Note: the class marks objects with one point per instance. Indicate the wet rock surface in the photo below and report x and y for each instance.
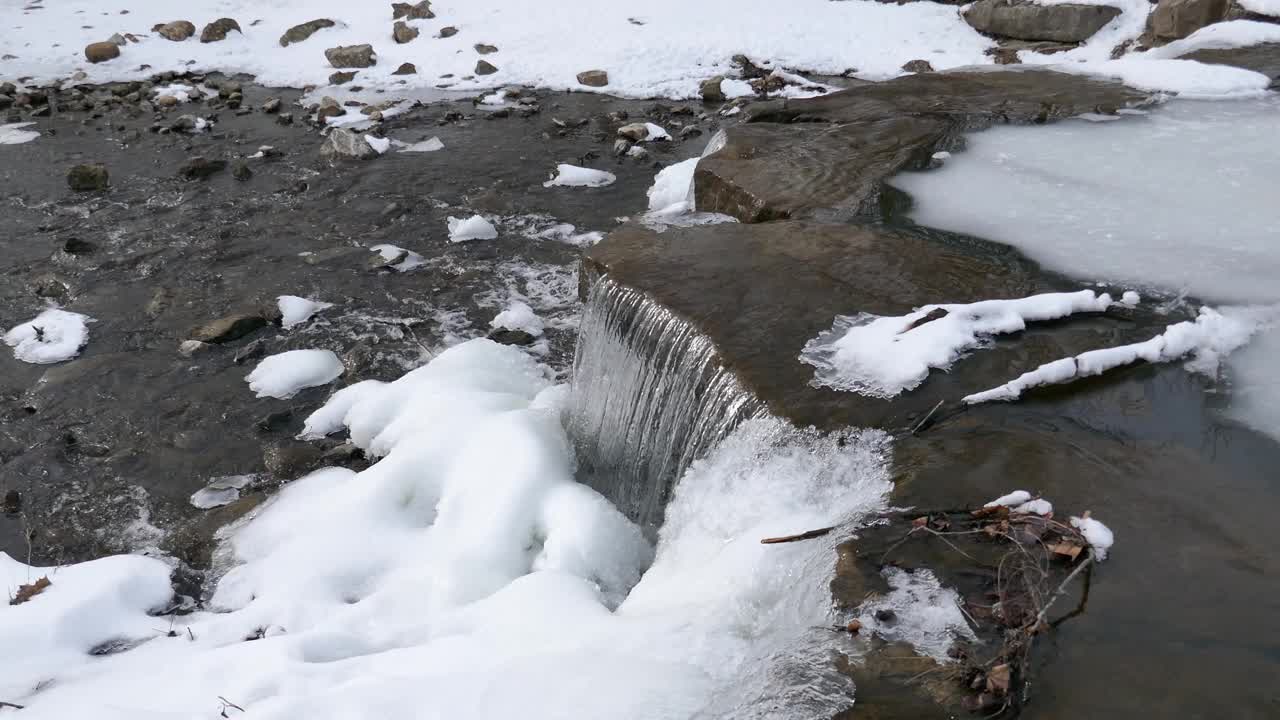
(779, 164)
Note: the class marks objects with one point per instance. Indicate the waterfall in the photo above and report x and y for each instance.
(650, 396)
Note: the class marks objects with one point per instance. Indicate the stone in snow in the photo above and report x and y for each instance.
(176, 31)
(218, 29)
(298, 33)
(351, 56)
(593, 78)
(101, 51)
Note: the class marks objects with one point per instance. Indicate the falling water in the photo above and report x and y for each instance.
(650, 396)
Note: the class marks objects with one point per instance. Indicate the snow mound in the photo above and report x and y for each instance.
(1017, 497)
(52, 336)
(519, 316)
(14, 134)
(1206, 340)
(1098, 535)
(296, 310)
(472, 228)
(283, 375)
(672, 190)
(379, 145)
(574, 176)
(428, 145)
(883, 356)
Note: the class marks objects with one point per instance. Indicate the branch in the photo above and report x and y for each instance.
(801, 536)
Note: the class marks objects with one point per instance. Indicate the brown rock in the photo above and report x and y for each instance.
(101, 51)
(483, 67)
(593, 78)
(218, 29)
(341, 78)
(177, 31)
(447, 32)
(412, 11)
(229, 328)
(406, 69)
(403, 32)
(351, 56)
(711, 90)
(918, 66)
(1175, 19)
(486, 49)
(298, 33)
(1027, 21)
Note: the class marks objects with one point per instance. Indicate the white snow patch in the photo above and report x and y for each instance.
(475, 227)
(14, 134)
(178, 91)
(51, 337)
(379, 145)
(1017, 497)
(284, 374)
(1098, 535)
(656, 132)
(574, 176)
(1220, 36)
(332, 416)
(1186, 78)
(1039, 506)
(883, 356)
(296, 310)
(1130, 298)
(1262, 7)
(429, 145)
(518, 316)
(408, 259)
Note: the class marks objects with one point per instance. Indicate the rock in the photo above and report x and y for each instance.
(351, 56)
(76, 246)
(506, 336)
(344, 144)
(593, 78)
(403, 32)
(12, 504)
(177, 31)
(447, 32)
(271, 105)
(341, 78)
(635, 132)
(1262, 58)
(710, 89)
(621, 146)
(1027, 21)
(229, 328)
(118, 39)
(288, 462)
(241, 171)
(298, 33)
(414, 11)
(328, 108)
(689, 131)
(101, 51)
(167, 101)
(284, 119)
(218, 29)
(483, 67)
(1176, 19)
(484, 49)
(252, 351)
(88, 177)
(918, 66)
(405, 69)
(189, 348)
(778, 165)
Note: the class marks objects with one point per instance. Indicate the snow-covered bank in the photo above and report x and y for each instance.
(661, 48)
(468, 556)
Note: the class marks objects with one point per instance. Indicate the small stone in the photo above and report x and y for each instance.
(101, 51)
(200, 168)
(88, 177)
(406, 69)
(328, 108)
(447, 32)
(343, 143)
(485, 49)
(886, 615)
(298, 33)
(853, 627)
(711, 90)
(593, 78)
(177, 31)
(402, 32)
(272, 105)
(351, 56)
(234, 101)
(415, 11)
(241, 171)
(483, 67)
(690, 131)
(229, 328)
(918, 66)
(341, 78)
(189, 348)
(621, 146)
(635, 132)
(252, 351)
(284, 119)
(506, 336)
(218, 29)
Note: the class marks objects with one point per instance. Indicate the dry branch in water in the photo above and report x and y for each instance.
(801, 536)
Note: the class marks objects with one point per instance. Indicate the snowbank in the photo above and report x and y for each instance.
(883, 356)
(1187, 78)
(696, 41)
(574, 176)
(296, 310)
(472, 228)
(283, 375)
(53, 336)
(1233, 34)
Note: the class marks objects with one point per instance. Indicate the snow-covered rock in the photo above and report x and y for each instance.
(52, 336)
(475, 227)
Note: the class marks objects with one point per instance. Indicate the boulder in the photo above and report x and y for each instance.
(711, 90)
(101, 51)
(593, 78)
(298, 33)
(1027, 21)
(918, 66)
(343, 144)
(88, 177)
(351, 56)
(200, 168)
(218, 29)
(176, 31)
(406, 69)
(1175, 19)
(402, 32)
(412, 11)
(484, 67)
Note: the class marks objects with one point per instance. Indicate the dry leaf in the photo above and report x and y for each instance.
(998, 680)
(26, 592)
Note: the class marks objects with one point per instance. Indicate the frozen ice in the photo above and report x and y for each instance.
(475, 227)
(519, 316)
(51, 337)
(296, 310)
(574, 176)
(16, 134)
(284, 374)
(407, 259)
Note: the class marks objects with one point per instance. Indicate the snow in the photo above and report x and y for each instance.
(1130, 298)
(672, 190)
(1017, 497)
(296, 310)
(884, 356)
(14, 134)
(429, 145)
(518, 316)
(1206, 340)
(1131, 23)
(177, 91)
(656, 132)
(574, 176)
(408, 258)
(472, 228)
(696, 41)
(51, 337)
(1177, 201)
(1099, 536)
(1233, 34)
(1186, 78)
(284, 374)
(1262, 7)
(1039, 506)
(379, 145)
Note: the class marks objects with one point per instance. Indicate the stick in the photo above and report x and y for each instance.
(802, 536)
(921, 424)
(15, 706)
(1062, 589)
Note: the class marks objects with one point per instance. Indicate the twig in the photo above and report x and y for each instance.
(1062, 589)
(921, 424)
(801, 536)
(226, 704)
(15, 706)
